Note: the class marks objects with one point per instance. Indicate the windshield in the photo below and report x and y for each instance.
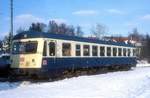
(24, 47)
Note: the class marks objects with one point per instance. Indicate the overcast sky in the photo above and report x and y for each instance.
(120, 16)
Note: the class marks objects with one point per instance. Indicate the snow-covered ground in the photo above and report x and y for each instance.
(126, 84)
(142, 63)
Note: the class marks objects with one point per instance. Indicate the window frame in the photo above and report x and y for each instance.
(124, 52)
(85, 51)
(77, 50)
(129, 52)
(134, 52)
(50, 47)
(70, 54)
(119, 51)
(114, 52)
(102, 52)
(108, 47)
(94, 52)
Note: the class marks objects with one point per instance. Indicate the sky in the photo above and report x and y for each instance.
(119, 16)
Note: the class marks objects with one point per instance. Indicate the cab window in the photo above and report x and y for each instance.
(24, 47)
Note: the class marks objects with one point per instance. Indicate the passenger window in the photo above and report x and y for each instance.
(119, 52)
(137, 52)
(124, 51)
(134, 52)
(78, 50)
(129, 52)
(94, 50)
(52, 49)
(66, 49)
(114, 51)
(86, 50)
(108, 51)
(45, 49)
(102, 51)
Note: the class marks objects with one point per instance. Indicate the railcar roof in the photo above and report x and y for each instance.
(27, 35)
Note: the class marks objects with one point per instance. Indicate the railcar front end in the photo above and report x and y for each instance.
(26, 56)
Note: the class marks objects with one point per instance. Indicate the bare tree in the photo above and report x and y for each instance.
(79, 31)
(20, 30)
(7, 43)
(52, 27)
(39, 27)
(70, 30)
(99, 31)
(62, 28)
(135, 35)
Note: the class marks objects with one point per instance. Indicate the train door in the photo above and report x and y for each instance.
(52, 48)
(52, 52)
(49, 52)
(49, 49)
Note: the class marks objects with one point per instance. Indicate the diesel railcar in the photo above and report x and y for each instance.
(38, 53)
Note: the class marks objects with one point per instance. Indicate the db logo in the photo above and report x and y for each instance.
(21, 59)
(44, 62)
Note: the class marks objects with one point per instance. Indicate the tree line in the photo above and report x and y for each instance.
(54, 27)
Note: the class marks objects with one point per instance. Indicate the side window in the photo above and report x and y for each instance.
(134, 52)
(45, 49)
(114, 51)
(94, 51)
(86, 50)
(78, 50)
(52, 48)
(124, 51)
(66, 49)
(137, 52)
(119, 52)
(129, 52)
(102, 51)
(108, 51)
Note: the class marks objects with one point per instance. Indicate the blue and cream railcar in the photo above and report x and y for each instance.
(43, 53)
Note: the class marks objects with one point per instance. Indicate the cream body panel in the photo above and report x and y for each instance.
(28, 60)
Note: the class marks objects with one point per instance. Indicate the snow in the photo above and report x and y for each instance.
(125, 84)
(142, 63)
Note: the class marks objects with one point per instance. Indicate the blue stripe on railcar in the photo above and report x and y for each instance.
(69, 63)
